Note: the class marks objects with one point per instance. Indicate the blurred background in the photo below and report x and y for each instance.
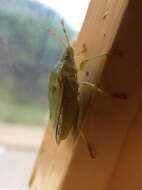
(27, 54)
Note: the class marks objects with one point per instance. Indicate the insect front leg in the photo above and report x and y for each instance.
(84, 62)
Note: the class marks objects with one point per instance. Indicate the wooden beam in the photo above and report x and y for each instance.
(112, 121)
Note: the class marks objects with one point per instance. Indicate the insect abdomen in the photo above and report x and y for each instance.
(70, 105)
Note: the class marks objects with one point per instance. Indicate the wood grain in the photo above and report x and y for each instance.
(112, 121)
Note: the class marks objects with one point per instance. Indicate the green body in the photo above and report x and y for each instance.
(63, 95)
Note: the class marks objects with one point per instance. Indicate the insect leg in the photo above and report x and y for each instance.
(84, 62)
(84, 138)
(92, 86)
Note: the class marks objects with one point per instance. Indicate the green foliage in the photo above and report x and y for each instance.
(25, 114)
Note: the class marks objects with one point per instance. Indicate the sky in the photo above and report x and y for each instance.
(72, 11)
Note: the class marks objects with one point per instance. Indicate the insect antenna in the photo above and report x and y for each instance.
(65, 32)
(56, 36)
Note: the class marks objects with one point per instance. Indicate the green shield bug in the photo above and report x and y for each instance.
(63, 93)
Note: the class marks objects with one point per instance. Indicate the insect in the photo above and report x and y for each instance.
(63, 93)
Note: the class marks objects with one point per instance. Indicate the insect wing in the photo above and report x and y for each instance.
(55, 96)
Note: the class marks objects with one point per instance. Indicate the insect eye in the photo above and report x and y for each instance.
(66, 57)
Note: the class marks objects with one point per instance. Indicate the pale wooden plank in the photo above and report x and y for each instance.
(69, 165)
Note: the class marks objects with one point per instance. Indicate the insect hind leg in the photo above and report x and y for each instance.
(83, 136)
